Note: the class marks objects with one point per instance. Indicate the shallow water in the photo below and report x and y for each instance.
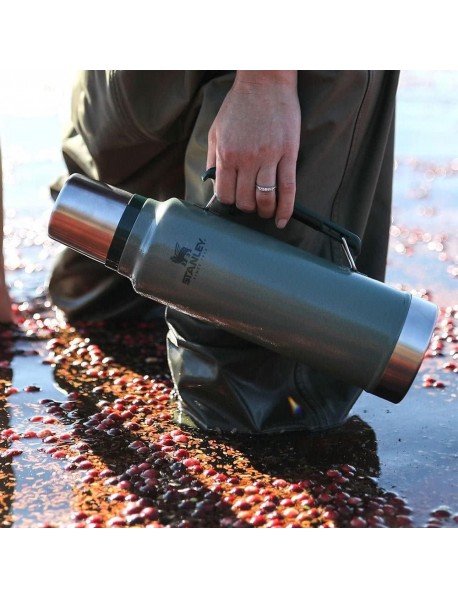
(87, 431)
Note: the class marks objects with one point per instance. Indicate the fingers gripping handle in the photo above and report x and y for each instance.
(315, 221)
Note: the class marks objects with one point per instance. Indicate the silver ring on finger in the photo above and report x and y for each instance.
(266, 188)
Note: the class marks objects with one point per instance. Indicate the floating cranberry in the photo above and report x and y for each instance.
(189, 462)
(331, 514)
(450, 366)
(358, 522)
(116, 521)
(275, 523)
(258, 520)
(209, 472)
(290, 512)
(295, 488)
(287, 502)
(117, 497)
(79, 516)
(279, 483)
(181, 439)
(59, 454)
(165, 416)
(85, 465)
(132, 497)
(404, 521)
(95, 519)
(253, 499)
(341, 480)
(233, 480)
(354, 501)
(325, 497)
(308, 502)
(150, 474)
(333, 473)
(82, 446)
(9, 432)
(149, 513)
(267, 506)
(132, 508)
(12, 452)
(348, 469)
(36, 418)
(50, 450)
(136, 444)
(132, 426)
(242, 504)
(442, 512)
(226, 522)
(376, 522)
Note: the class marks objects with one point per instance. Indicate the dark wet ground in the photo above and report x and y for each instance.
(88, 435)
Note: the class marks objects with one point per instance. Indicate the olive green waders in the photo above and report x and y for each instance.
(146, 132)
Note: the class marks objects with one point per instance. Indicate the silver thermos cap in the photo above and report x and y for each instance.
(86, 216)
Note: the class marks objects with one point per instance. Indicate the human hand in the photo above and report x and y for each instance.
(254, 140)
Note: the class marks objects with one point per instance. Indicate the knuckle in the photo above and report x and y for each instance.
(245, 205)
(231, 154)
(288, 186)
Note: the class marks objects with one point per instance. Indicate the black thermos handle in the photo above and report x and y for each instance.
(314, 220)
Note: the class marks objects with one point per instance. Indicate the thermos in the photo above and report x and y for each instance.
(332, 318)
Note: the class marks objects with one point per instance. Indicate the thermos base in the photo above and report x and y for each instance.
(409, 351)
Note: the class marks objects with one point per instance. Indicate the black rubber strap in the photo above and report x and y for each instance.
(123, 230)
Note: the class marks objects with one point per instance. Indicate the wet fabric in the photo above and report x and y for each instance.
(146, 132)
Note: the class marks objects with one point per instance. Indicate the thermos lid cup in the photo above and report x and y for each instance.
(86, 216)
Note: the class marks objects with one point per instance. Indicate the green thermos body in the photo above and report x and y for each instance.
(329, 317)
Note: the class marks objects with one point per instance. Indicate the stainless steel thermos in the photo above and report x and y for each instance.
(329, 317)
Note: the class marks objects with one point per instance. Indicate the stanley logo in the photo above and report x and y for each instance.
(181, 254)
(190, 259)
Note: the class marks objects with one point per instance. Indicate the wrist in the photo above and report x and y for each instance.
(249, 79)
